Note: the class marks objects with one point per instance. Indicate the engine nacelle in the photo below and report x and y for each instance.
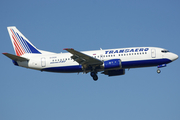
(112, 64)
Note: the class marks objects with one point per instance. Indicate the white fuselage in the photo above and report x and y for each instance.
(130, 58)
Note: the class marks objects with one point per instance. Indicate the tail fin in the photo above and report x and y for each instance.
(20, 43)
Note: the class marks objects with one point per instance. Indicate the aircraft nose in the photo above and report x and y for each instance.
(175, 57)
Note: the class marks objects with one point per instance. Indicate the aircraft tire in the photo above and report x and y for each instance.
(158, 71)
(95, 78)
(93, 74)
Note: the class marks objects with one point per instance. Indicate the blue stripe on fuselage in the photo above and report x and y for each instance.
(127, 64)
(67, 69)
(144, 63)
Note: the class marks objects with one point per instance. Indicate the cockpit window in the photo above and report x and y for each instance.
(164, 51)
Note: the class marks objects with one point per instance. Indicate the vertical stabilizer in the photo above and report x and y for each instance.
(20, 43)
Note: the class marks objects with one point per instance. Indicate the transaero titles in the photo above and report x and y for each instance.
(126, 50)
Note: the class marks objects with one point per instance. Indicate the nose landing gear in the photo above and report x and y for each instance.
(158, 71)
(160, 66)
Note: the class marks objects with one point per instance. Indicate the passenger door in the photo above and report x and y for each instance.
(153, 53)
(43, 62)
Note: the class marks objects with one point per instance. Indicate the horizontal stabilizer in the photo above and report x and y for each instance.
(14, 57)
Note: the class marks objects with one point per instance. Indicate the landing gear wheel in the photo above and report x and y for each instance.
(94, 76)
(158, 71)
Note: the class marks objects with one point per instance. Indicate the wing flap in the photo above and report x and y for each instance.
(14, 57)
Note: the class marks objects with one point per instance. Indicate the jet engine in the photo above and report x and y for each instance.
(112, 64)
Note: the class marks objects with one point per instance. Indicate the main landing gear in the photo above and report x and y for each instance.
(94, 76)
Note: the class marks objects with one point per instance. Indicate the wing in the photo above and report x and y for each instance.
(83, 59)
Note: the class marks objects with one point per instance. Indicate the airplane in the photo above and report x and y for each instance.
(111, 62)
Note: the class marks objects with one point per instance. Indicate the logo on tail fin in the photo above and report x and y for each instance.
(21, 45)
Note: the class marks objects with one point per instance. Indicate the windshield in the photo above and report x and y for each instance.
(164, 51)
